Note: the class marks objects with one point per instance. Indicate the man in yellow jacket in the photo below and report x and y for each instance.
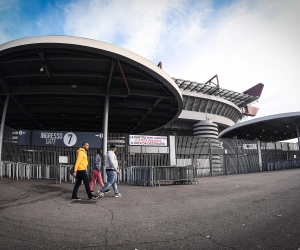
(80, 172)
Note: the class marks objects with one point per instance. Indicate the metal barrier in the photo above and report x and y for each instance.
(177, 175)
(22, 170)
(154, 176)
(279, 165)
(135, 175)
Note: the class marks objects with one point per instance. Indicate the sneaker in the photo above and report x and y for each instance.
(92, 192)
(119, 195)
(76, 199)
(94, 198)
(101, 195)
(107, 191)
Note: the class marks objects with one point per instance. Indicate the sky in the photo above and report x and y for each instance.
(245, 42)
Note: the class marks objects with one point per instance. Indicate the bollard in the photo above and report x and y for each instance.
(47, 172)
(13, 170)
(59, 173)
(17, 170)
(9, 169)
(40, 171)
(28, 168)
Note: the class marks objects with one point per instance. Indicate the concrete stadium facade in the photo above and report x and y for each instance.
(205, 102)
(52, 79)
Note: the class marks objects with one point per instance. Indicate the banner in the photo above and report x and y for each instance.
(148, 140)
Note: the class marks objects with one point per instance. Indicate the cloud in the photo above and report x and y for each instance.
(247, 43)
(8, 14)
(20, 19)
(50, 21)
(146, 28)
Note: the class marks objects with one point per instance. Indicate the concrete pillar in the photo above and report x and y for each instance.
(237, 153)
(298, 137)
(105, 132)
(259, 155)
(210, 157)
(172, 152)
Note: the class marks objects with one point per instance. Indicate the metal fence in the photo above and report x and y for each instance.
(279, 165)
(20, 171)
(279, 154)
(205, 156)
(135, 175)
(155, 176)
(231, 157)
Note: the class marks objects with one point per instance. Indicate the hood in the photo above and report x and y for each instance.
(81, 149)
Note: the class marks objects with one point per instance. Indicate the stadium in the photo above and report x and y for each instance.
(56, 87)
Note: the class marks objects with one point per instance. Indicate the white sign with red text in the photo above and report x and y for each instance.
(148, 140)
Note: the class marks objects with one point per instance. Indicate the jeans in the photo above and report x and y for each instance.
(81, 176)
(111, 180)
(96, 176)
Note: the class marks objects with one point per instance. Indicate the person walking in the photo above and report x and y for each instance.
(97, 171)
(80, 172)
(112, 169)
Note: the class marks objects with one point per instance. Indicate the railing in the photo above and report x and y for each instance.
(278, 165)
(22, 171)
(154, 176)
(143, 176)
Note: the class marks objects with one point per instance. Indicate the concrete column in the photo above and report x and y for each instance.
(210, 157)
(288, 151)
(3, 123)
(105, 132)
(237, 153)
(172, 152)
(275, 151)
(126, 159)
(259, 155)
(298, 137)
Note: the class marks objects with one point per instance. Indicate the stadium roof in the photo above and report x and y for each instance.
(239, 99)
(60, 83)
(278, 127)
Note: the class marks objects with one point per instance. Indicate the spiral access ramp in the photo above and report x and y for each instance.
(204, 130)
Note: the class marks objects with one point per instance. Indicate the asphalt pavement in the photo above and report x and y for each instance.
(246, 211)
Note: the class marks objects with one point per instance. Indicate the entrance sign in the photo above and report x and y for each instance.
(59, 138)
(148, 140)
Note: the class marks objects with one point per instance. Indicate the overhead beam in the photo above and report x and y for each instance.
(63, 122)
(88, 101)
(82, 90)
(55, 58)
(78, 74)
(77, 110)
(80, 122)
